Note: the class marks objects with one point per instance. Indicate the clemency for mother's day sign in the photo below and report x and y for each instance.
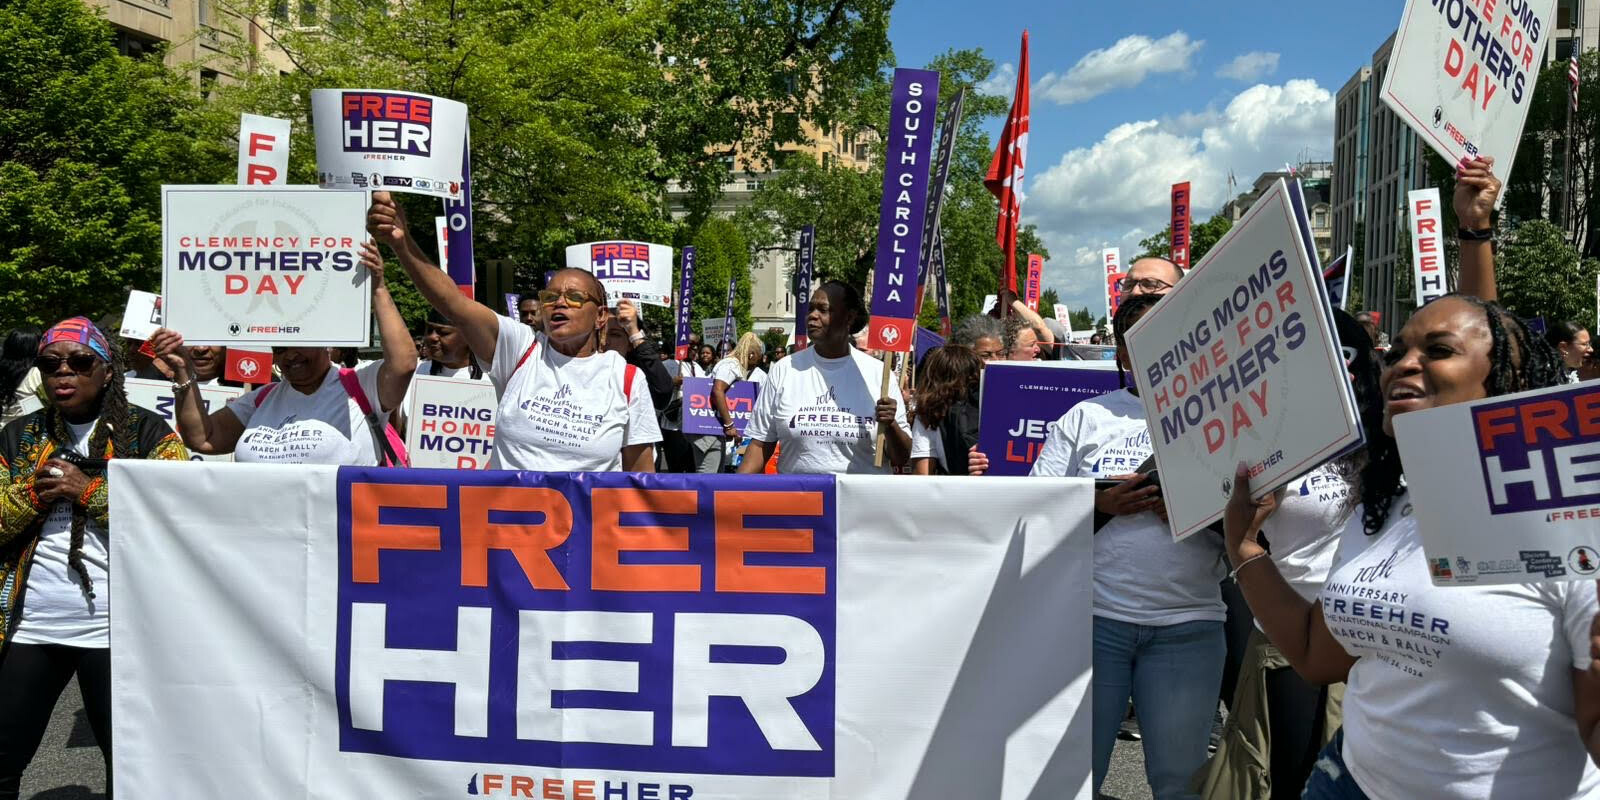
(265, 265)
(1512, 489)
(637, 271)
(1020, 399)
(1240, 363)
(390, 141)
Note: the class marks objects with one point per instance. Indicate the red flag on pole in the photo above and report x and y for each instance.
(1004, 179)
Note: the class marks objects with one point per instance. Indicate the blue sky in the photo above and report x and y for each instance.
(1132, 96)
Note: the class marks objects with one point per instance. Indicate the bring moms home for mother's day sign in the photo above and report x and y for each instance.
(1240, 363)
(1512, 489)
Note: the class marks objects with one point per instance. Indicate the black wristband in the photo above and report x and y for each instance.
(1470, 235)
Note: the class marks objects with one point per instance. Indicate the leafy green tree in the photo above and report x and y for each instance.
(720, 251)
(1203, 237)
(87, 137)
(1047, 303)
(1540, 275)
(1535, 189)
(1083, 319)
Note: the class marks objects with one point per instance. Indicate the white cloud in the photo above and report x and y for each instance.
(1116, 191)
(1002, 81)
(1249, 67)
(1120, 66)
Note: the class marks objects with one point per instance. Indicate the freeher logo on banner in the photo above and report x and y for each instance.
(389, 141)
(261, 265)
(1035, 284)
(1512, 494)
(637, 271)
(1179, 250)
(903, 210)
(1427, 246)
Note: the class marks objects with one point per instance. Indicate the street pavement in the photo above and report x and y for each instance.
(68, 765)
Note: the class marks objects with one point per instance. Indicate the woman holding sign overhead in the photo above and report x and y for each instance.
(1453, 692)
(824, 403)
(320, 413)
(566, 404)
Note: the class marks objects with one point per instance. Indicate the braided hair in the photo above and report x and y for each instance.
(1129, 312)
(1518, 361)
(114, 426)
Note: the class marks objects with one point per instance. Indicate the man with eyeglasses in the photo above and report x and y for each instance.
(1150, 276)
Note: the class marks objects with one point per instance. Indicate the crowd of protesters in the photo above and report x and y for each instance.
(1236, 613)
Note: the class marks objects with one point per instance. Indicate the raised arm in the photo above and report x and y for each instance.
(386, 221)
(216, 433)
(1477, 189)
(1046, 338)
(399, 350)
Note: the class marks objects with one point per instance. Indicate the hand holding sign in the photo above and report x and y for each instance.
(168, 347)
(628, 316)
(386, 220)
(1129, 497)
(373, 261)
(1241, 523)
(1477, 192)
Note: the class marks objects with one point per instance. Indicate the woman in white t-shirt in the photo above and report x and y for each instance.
(949, 378)
(565, 404)
(314, 415)
(824, 403)
(451, 359)
(1452, 692)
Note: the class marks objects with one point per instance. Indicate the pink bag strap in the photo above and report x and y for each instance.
(391, 448)
(352, 387)
(261, 396)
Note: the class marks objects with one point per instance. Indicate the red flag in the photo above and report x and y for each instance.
(248, 366)
(1004, 179)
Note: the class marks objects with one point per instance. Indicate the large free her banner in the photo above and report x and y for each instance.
(443, 634)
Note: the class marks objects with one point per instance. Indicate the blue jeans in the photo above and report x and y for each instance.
(1330, 778)
(1172, 672)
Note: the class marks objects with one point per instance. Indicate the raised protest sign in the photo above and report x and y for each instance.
(1511, 493)
(157, 396)
(1179, 244)
(802, 283)
(263, 151)
(1240, 363)
(904, 209)
(989, 302)
(713, 331)
(389, 141)
(637, 271)
(1020, 399)
(700, 414)
(1035, 284)
(442, 634)
(1427, 246)
(1111, 259)
(1064, 316)
(247, 366)
(1462, 73)
(512, 301)
(728, 327)
(1113, 294)
(141, 318)
(450, 424)
(1336, 278)
(276, 265)
(441, 239)
(680, 349)
(941, 285)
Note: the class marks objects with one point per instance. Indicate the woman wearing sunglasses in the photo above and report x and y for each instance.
(566, 404)
(54, 558)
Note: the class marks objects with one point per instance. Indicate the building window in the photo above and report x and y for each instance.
(208, 81)
(1320, 218)
(135, 45)
(202, 12)
(1563, 49)
(308, 13)
(1565, 18)
(280, 11)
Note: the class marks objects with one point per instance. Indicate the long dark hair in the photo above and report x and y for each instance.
(113, 426)
(949, 374)
(16, 358)
(1518, 361)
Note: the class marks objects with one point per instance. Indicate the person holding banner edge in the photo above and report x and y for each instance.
(320, 413)
(566, 405)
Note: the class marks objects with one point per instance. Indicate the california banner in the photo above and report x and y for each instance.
(324, 632)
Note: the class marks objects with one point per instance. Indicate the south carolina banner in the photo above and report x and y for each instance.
(441, 634)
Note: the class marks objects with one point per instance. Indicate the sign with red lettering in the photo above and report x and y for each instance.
(263, 151)
(1020, 399)
(1034, 287)
(450, 423)
(261, 265)
(1179, 249)
(1242, 365)
(1462, 74)
(1427, 245)
(700, 412)
(393, 141)
(1111, 258)
(637, 271)
(1511, 492)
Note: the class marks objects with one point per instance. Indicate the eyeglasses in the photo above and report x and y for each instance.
(1147, 284)
(574, 297)
(81, 363)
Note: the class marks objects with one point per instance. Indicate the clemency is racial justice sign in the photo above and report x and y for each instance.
(390, 141)
(1462, 73)
(278, 265)
(637, 271)
(1512, 491)
(1240, 363)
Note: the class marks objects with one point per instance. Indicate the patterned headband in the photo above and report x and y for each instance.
(80, 330)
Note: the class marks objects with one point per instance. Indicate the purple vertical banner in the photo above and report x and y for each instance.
(1019, 401)
(903, 211)
(802, 285)
(941, 176)
(458, 222)
(680, 350)
(941, 286)
(511, 304)
(727, 321)
(926, 340)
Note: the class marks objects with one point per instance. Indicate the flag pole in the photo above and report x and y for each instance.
(1568, 204)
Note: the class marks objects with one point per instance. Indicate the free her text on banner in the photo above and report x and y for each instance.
(432, 633)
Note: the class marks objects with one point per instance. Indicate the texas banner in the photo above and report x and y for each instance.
(1513, 495)
(637, 271)
(1019, 400)
(390, 141)
(1240, 363)
(462, 634)
(265, 265)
